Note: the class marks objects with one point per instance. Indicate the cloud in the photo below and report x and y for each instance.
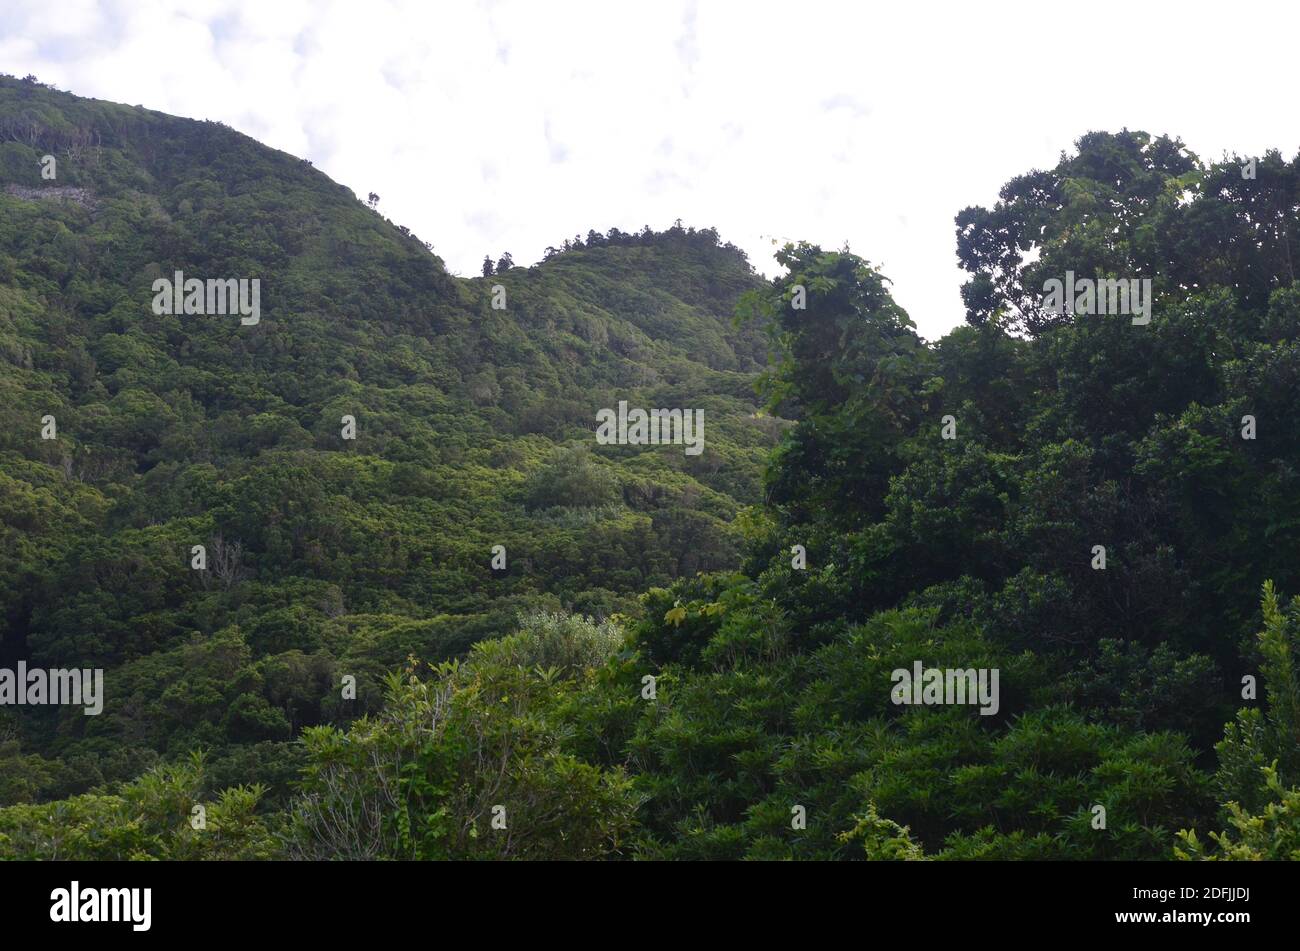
(688, 48)
(557, 150)
(509, 125)
(850, 104)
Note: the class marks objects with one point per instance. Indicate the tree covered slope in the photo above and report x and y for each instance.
(685, 656)
(327, 557)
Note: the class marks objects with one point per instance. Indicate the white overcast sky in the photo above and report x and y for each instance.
(506, 126)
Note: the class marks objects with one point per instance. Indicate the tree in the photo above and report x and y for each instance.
(1259, 767)
(571, 478)
(487, 265)
(851, 368)
(506, 263)
(475, 762)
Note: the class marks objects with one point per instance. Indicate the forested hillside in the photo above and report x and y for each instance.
(327, 556)
(686, 656)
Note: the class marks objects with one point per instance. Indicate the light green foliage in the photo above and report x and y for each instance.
(150, 818)
(1272, 834)
(424, 779)
(883, 840)
(1259, 760)
(567, 644)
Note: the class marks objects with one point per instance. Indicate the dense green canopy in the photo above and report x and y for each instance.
(684, 656)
